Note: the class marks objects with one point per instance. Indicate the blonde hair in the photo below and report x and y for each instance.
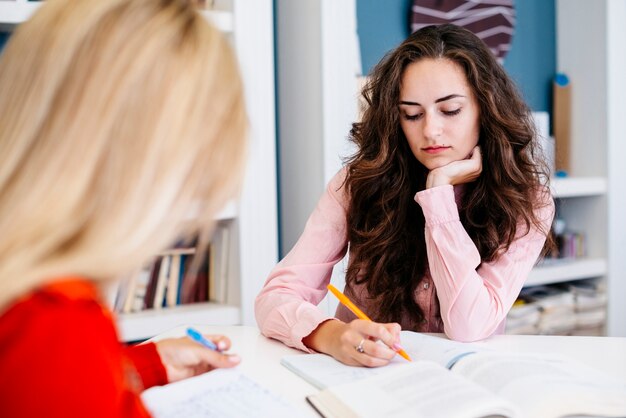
(117, 118)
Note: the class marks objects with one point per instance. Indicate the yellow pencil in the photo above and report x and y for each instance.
(359, 313)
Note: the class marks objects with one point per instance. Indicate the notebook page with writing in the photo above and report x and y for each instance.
(220, 393)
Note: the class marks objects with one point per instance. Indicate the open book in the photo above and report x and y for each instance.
(450, 379)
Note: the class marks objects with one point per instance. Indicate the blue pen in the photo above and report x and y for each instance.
(197, 337)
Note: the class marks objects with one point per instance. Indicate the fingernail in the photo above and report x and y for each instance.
(397, 347)
(221, 345)
(234, 358)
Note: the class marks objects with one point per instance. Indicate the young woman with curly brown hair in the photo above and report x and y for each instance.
(443, 208)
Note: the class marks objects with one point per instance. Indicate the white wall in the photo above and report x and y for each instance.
(318, 60)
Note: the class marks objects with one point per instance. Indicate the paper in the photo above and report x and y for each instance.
(220, 393)
(323, 371)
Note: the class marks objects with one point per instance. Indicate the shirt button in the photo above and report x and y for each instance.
(426, 285)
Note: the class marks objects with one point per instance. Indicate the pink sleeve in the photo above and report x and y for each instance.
(475, 298)
(286, 308)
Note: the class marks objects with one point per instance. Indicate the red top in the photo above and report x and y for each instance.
(60, 357)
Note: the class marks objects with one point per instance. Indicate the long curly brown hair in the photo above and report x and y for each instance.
(385, 224)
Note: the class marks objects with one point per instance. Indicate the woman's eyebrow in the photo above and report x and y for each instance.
(448, 97)
(441, 99)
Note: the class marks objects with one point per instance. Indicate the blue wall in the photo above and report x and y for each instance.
(531, 62)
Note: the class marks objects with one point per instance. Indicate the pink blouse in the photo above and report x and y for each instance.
(466, 299)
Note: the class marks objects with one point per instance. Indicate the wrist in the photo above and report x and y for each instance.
(435, 180)
(320, 339)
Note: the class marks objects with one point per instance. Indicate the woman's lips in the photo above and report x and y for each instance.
(435, 150)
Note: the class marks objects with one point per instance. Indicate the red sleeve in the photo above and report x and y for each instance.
(60, 357)
(148, 364)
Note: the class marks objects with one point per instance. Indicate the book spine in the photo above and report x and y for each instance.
(562, 92)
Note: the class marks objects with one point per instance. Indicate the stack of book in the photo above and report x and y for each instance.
(543, 310)
(590, 306)
(523, 318)
(572, 308)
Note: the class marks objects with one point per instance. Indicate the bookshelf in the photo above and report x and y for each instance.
(590, 200)
(252, 219)
(593, 199)
(573, 194)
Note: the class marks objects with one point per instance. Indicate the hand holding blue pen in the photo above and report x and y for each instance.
(199, 338)
(188, 356)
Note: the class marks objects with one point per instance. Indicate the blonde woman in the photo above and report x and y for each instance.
(116, 117)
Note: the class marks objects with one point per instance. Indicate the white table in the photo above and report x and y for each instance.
(261, 356)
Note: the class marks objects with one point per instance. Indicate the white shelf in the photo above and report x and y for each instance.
(565, 270)
(228, 212)
(222, 19)
(578, 186)
(145, 324)
(15, 12)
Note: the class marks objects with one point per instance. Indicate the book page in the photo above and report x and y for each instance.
(546, 386)
(420, 389)
(437, 349)
(220, 393)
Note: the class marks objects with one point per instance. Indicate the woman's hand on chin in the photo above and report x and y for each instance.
(457, 172)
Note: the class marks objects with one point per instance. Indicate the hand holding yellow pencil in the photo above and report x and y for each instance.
(359, 313)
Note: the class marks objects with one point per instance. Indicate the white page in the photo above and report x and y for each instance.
(323, 371)
(221, 393)
(421, 389)
(438, 349)
(547, 385)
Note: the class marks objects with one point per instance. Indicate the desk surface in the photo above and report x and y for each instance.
(261, 356)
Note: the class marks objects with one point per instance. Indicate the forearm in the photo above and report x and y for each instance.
(323, 337)
(287, 317)
(148, 364)
(475, 296)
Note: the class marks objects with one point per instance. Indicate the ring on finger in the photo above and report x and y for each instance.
(359, 347)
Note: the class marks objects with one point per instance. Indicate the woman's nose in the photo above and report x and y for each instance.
(433, 126)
